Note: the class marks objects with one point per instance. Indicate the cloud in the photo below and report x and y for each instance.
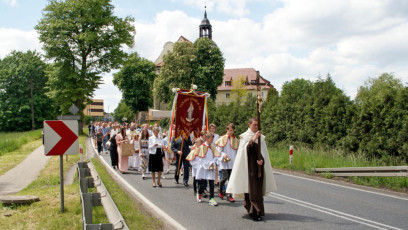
(11, 2)
(230, 7)
(14, 39)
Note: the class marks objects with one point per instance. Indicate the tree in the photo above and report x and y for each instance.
(208, 66)
(122, 111)
(380, 127)
(84, 39)
(200, 63)
(23, 92)
(135, 80)
(238, 88)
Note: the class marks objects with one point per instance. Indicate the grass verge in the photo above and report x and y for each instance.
(10, 159)
(14, 140)
(305, 159)
(46, 213)
(134, 217)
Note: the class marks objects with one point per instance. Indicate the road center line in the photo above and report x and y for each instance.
(332, 212)
(343, 186)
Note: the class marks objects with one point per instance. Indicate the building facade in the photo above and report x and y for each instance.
(95, 109)
(240, 81)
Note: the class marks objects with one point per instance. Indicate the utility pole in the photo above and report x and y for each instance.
(31, 97)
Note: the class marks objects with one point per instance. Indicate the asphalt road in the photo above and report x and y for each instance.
(300, 203)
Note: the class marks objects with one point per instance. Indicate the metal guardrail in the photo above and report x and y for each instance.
(88, 200)
(385, 171)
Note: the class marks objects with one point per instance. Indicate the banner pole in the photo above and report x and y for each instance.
(62, 182)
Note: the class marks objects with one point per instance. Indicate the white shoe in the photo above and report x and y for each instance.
(199, 198)
(213, 202)
(163, 177)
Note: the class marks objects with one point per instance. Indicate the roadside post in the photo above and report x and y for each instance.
(291, 154)
(81, 153)
(61, 138)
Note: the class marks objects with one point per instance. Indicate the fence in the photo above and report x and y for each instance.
(385, 171)
(89, 200)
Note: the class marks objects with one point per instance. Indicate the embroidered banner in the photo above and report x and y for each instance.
(189, 114)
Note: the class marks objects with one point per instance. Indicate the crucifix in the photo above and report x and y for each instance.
(258, 110)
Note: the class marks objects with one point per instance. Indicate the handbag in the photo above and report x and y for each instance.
(127, 149)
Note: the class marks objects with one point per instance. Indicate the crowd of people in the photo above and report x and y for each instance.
(209, 157)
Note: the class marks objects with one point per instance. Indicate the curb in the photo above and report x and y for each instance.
(154, 210)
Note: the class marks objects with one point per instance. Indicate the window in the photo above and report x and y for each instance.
(227, 83)
(253, 82)
(227, 95)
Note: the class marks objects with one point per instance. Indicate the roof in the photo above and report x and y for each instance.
(249, 74)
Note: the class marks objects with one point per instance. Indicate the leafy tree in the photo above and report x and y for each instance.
(201, 63)
(208, 66)
(238, 88)
(123, 111)
(84, 39)
(19, 73)
(135, 80)
(380, 122)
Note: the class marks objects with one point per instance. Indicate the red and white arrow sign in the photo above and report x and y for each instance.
(60, 137)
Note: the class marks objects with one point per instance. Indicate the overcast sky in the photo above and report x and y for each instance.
(352, 40)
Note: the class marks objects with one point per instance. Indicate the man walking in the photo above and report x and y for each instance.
(181, 149)
(244, 181)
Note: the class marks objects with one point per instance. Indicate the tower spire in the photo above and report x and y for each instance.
(205, 26)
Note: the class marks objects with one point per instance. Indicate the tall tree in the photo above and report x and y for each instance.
(84, 39)
(201, 63)
(380, 122)
(123, 111)
(23, 101)
(135, 80)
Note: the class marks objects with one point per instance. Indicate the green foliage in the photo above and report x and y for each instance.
(14, 140)
(17, 71)
(84, 39)
(201, 63)
(135, 81)
(235, 112)
(380, 125)
(123, 111)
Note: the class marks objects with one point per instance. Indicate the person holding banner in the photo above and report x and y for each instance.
(121, 138)
(156, 156)
(180, 147)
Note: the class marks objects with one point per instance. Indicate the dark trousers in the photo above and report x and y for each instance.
(201, 187)
(226, 173)
(195, 184)
(99, 146)
(114, 156)
(186, 165)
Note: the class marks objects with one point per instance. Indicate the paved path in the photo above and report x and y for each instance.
(24, 173)
(300, 203)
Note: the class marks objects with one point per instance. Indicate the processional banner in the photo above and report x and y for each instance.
(189, 114)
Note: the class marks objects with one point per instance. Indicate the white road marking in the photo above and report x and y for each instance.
(332, 212)
(343, 186)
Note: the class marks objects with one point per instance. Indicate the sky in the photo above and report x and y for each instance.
(352, 40)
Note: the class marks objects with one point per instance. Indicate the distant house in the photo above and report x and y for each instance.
(95, 109)
(227, 90)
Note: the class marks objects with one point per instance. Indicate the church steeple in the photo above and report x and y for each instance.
(205, 26)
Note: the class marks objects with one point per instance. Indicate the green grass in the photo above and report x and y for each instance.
(305, 159)
(14, 140)
(130, 210)
(11, 159)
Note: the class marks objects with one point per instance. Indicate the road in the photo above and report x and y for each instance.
(299, 203)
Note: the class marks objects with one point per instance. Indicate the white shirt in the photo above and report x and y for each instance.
(202, 165)
(155, 140)
(230, 152)
(216, 137)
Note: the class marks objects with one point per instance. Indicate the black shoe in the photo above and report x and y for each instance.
(185, 184)
(257, 218)
(176, 182)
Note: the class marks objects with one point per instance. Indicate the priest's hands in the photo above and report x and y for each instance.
(179, 152)
(260, 162)
(257, 134)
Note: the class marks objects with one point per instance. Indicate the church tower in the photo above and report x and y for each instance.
(205, 27)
